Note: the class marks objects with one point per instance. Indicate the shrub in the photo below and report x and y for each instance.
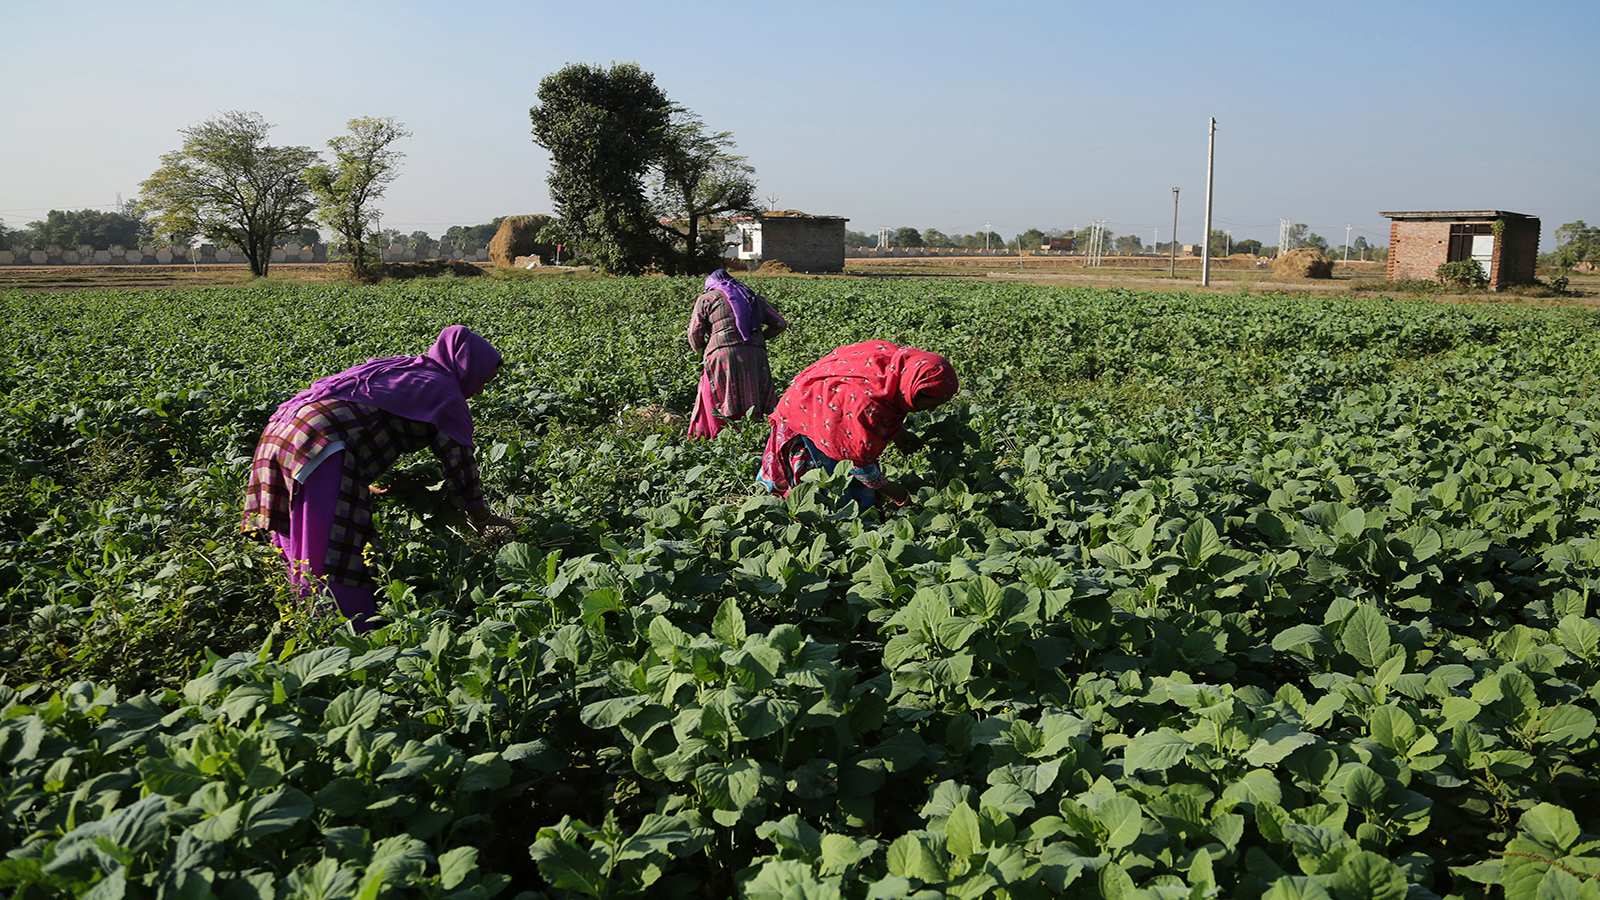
(1466, 273)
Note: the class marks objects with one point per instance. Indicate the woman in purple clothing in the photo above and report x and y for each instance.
(319, 452)
(730, 326)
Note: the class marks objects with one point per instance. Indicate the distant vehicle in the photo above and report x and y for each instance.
(1061, 243)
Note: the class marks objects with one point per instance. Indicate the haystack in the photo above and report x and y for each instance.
(1304, 262)
(519, 236)
(774, 267)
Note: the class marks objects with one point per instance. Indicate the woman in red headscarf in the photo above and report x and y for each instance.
(309, 481)
(852, 404)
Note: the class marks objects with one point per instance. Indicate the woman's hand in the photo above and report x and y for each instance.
(482, 518)
(908, 443)
(895, 492)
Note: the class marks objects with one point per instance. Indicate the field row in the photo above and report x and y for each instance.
(1204, 596)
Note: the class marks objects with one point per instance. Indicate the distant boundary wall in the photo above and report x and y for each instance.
(1044, 259)
(208, 253)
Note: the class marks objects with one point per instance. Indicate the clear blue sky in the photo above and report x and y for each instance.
(931, 114)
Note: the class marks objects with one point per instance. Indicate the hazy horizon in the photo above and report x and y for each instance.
(928, 115)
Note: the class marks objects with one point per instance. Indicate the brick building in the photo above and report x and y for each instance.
(802, 242)
(1506, 244)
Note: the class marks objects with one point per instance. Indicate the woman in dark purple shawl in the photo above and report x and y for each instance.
(319, 452)
(730, 326)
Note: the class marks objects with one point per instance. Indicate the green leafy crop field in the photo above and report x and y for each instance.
(1203, 596)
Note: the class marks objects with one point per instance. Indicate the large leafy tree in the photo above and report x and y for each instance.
(905, 237)
(1576, 242)
(696, 180)
(604, 130)
(472, 235)
(348, 189)
(228, 184)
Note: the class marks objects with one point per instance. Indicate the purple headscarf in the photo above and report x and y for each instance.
(740, 300)
(433, 387)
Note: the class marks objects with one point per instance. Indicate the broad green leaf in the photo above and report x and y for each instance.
(486, 771)
(1257, 786)
(1552, 826)
(1559, 885)
(1006, 800)
(607, 713)
(728, 626)
(275, 812)
(519, 563)
(1123, 820)
(315, 665)
(1580, 637)
(1158, 750)
(1351, 525)
(569, 867)
(916, 855)
(1394, 728)
(1566, 726)
(359, 707)
(1200, 542)
(170, 777)
(1368, 876)
(401, 858)
(140, 827)
(1276, 743)
(962, 833)
(1364, 788)
(840, 853)
(1116, 884)
(954, 632)
(1418, 544)
(656, 833)
(1366, 636)
(781, 879)
(1296, 887)
(343, 797)
(224, 825)
(112, 887)
(1297, 635)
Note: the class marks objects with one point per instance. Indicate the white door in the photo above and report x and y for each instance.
(1483, 252)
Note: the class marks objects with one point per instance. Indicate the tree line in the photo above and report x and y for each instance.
(639, 183)
(1036, 239)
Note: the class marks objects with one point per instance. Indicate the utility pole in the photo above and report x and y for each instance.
(1205, 242)
(1155, 239)
(986, 227)
(1347, 245)
(1172, 265)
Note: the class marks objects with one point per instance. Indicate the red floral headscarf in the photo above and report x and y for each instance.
(853, 401)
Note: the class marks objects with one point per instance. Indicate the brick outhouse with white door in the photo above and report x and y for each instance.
(1506, 244)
